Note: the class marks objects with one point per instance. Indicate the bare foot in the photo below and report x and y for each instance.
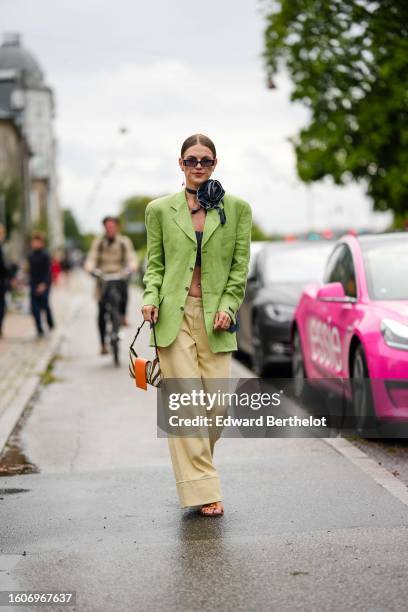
(213, 509)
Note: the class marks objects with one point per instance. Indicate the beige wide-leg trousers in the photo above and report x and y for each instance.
(190, 357)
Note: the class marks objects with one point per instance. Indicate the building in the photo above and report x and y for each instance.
(14, 168)
(27, 106)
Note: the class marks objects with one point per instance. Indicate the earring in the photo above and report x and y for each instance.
(183, 183)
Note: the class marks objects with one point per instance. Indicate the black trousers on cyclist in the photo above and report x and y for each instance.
(123, 291)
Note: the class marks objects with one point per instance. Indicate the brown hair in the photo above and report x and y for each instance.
(111, 218)
(198, 139)
(37, 235)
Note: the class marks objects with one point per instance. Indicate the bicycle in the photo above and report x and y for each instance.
(111, 285)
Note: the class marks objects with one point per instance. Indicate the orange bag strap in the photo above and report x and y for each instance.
(138, 367)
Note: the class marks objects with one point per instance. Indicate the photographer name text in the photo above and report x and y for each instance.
(260, 421)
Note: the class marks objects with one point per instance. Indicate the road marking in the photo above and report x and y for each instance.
(377, 472)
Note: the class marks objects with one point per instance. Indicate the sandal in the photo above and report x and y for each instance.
(213, 509)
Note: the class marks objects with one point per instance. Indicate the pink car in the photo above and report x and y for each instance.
(355, 327)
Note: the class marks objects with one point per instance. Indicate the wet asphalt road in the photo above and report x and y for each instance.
(304, 528)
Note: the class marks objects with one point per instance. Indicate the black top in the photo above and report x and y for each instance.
(40, 268)
(199, 239)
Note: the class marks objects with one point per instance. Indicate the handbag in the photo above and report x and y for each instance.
(143, 370)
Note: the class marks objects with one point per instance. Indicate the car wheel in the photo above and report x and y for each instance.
(362, 397)
(298, 367)
(258, 355)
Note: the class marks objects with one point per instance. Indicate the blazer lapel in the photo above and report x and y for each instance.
(182, 215)
(212, 221)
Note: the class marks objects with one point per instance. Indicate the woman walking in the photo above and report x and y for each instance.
(198, 243)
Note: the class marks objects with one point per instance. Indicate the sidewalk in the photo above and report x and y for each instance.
(24, 358)
(310, 524)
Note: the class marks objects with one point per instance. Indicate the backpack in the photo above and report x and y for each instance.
(101, 247)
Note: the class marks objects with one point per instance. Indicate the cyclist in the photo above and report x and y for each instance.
(111, 253)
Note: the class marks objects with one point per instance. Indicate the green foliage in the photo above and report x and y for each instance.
(11, 195)
(348, 61)
(132, 219)
(42, 222)
(257, 234)
(87, 240)
(71, 229)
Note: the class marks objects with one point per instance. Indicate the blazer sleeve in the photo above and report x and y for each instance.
(153, 276)
(234, 290)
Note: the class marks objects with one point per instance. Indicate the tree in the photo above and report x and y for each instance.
(257, 233)
(348, 61)
(132, 219)
(71, 229)
(11, 203)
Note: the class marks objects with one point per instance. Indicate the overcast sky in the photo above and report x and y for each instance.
(164, 70)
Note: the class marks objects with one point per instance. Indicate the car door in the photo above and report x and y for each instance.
(342, 315)
(320, 343)
(335, 318)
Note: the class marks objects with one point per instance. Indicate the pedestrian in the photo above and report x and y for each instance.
(39, 265)
(56, 267)
(198, 243)
(111, 253)
(66, 266)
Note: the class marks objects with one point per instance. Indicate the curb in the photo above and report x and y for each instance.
(355, 455)
(12, 414)
(378, 473)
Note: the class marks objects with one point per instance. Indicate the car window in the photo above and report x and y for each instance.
(332, 263)
(386, 265)
(297, 264)
(252, 271)
(253, 267)
(341, 269)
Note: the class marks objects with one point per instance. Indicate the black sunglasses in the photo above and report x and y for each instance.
(192, 162)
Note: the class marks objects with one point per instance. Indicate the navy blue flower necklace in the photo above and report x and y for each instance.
(210, 195)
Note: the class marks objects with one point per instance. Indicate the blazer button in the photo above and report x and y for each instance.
(186, 288)
(181, 307)
(191, 269)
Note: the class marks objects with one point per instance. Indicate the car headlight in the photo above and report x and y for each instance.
(395, 334)
(279, 312)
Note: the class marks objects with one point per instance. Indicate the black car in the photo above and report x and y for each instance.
(276, 278)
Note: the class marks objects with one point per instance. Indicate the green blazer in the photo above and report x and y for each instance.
(171, 254)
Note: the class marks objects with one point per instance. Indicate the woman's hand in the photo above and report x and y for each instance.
(222, 320)
(150, 313)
